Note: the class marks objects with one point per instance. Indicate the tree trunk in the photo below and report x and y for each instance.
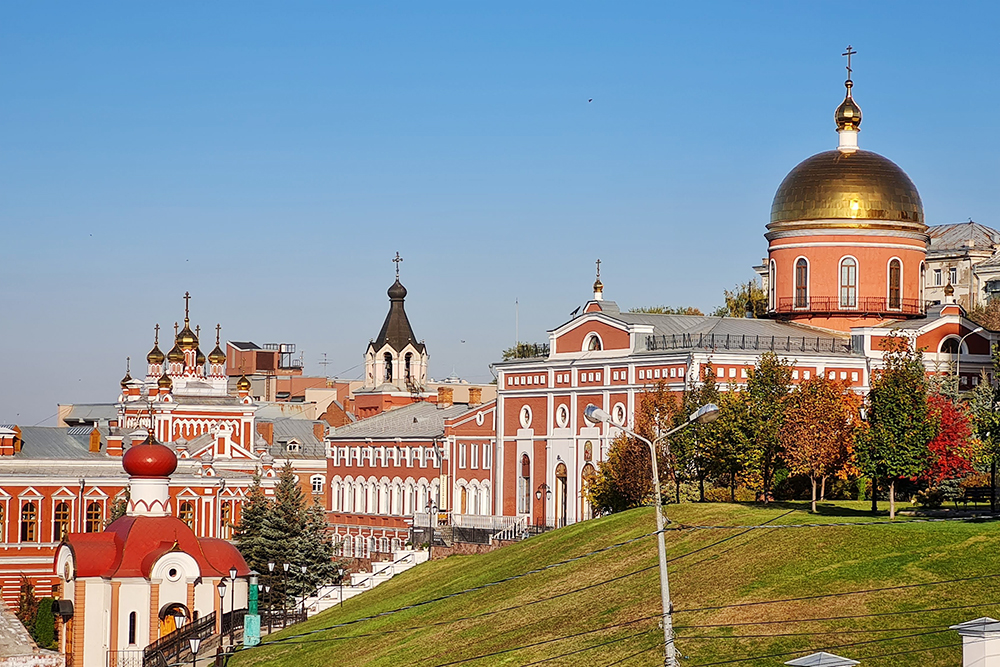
(732, 484)
(892, 498)
(701, 486)
(764, 479)
(822, 487)
(993, 486)
(874, 496)
(813, 480)
(677, 490)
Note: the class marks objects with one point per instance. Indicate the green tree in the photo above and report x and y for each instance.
(44, 629)
(248, 534)
(984, 406)
(900, 425)
(666, 310)
(691, 447)
(282, 529)
(767, 387)
(526, 351)
(119, 508)
(743, 299)
(315, 550)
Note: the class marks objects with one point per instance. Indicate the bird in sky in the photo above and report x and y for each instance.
(590, 100)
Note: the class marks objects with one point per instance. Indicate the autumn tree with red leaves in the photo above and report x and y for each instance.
(953, 450)
(817, 434)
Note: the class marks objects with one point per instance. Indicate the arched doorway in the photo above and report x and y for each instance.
(561, 500)
(587, 475)
(172, 616)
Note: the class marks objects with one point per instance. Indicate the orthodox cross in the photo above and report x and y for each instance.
(396, 261)
(598, 268)
(128, 365)
(850, 52)
(156, 339)
(187, 302)
(197, 331)
(218, 329)
(176, 328)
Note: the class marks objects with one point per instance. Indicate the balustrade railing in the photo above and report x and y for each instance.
(863, 304)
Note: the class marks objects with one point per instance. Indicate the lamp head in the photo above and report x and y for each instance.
(286, 566)
(270, 567)
(195, 643)
(706, 414)
(222, 589)
(303, 569)
(232, 573)
(595, 415)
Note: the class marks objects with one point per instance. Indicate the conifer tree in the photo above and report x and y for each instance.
(249, 532)
(282, 530)
(315, 550)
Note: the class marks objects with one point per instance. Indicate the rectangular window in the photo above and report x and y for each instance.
(732, 372)
(805, 375)
(843, 375)
(953, 276)
(833, 375)
(795, 376)
(475, 456)
(937, 277)
(656, 374)
(854, 378)
(673, 374)
(614, 376)
(487, 457)
(510, 382)
(743, 373)
(597, 377)
(642, 376)
(461, 456)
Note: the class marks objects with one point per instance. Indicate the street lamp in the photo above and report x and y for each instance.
(958, 359)
(267, 589)
(340, 579)
(284, 594)
(305, 588)
(221, 588)
(431, 511)
(195, 643)
(703, 415)
(232, 603)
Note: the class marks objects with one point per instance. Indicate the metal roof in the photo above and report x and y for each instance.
(417, 420)
(962, 236)
(89, 412)
(55, 442)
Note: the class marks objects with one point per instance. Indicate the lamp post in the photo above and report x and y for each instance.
(431, 512)
(284, 594)
(221, 588)
(195, 643)
(340, 580)
(703, 415)
(232, 603)
(305, 588)
(543, 488)
(267, 589)
(958, 360)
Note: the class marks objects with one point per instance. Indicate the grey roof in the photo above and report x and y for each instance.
(244, 346)
(417, 420)
(56, 442)
(197, 399)
(300, 430)
(962, 236)
(992, 261)
(822, 659)
(91, 412)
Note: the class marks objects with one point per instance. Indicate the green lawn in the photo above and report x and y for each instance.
(605, 613)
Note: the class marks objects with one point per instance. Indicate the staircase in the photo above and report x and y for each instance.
(330, 596)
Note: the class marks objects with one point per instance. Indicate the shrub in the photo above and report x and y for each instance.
(931, 497)
(44, 631)
(718, 494)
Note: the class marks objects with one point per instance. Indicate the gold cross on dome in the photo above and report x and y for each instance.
(218, 329)
(187, 302)
(396, 261)
(850, 52)
(156, 338)
(598, 268)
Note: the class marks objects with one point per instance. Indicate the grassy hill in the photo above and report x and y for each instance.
(601, 609)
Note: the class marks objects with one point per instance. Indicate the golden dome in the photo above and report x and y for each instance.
(217, 356)
(858, 186)
(155, 356)
(848, 114)
(186, 339)
(176, 354)
(165, 382)
(126, 379)
(243, 384)
(199, 359)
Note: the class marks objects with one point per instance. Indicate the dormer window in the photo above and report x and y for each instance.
(594, 343)
(293, 446)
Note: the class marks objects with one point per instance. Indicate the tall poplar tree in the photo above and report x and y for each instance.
(900, 424)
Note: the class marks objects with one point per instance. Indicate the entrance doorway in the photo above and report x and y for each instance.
(561, 495)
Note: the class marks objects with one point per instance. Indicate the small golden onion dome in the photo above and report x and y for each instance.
(949, 290)
(165, 383)
(126, 379)
(598, 285)
(155, 356)
(199, 358)
(217, 356)
(848, 114)
(243, 384)
(176, 354)
(862, 187)
(186, 339)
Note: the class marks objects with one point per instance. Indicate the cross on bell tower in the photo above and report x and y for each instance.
(396, 261)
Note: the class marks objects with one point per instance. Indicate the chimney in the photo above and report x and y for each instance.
(95, 441)
(319, 430)
(980, 642)
(445, 397)
(475, 395)
(114, 445)
(137, 437)
(266, 431)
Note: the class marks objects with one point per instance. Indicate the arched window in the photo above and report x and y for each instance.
(29, 522)
(94, 517)
(949, 345)
(406, 365)
(895, 281)
(848, 283)
(524, 486)
(227, 520)
(801, 283)
(60, 522)
(186, 513)
(594, 343)
(131, 628)
(387, 359)
(772, 269)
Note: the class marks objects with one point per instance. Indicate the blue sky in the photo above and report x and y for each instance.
(272, 158)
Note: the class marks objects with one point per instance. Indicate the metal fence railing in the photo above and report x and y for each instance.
(711, 342)
(169, 646)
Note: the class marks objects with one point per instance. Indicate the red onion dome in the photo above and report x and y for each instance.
(149, 459)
